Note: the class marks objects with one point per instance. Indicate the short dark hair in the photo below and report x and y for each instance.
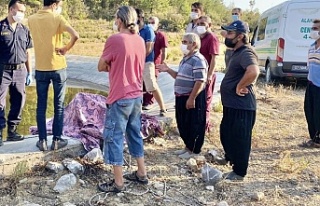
(316, 21)
(197, 5)
(50, 2)
(13, 2)
(140, 13)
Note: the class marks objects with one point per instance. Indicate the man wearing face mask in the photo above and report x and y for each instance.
(149, 76)
(312, 95)
(15, 67)
(47, 27)
(238, 100)
(236, 14)
(189, 89)
(209, 49)
(196, 12)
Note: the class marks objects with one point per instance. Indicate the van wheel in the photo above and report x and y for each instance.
(268, 77)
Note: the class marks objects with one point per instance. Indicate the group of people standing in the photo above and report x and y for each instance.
(46, 28)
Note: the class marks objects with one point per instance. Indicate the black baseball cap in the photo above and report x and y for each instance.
(238, 26)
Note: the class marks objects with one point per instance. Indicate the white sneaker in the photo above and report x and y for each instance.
(187, 155)
(180, 151)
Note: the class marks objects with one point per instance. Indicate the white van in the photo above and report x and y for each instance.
(282, 39)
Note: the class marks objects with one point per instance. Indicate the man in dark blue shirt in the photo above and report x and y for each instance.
(238, 100)
(149, 72)
(15, 67)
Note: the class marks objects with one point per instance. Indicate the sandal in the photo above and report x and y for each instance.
(310, 144)
(135, 178)
(111, 187)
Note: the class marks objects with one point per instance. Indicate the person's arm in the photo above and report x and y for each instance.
(249, 77)
(74, 37)
(197, 88)
(28, 62)
(211, 68)
(149, 47)
(164, 52)
(164, 68)
(103, 66)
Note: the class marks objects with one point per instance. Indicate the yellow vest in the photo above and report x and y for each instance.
(47, 30)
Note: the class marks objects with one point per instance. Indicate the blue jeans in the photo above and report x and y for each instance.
(43, 79)
(123, 120)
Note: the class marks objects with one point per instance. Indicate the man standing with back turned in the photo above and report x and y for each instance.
(47, 27)
(15, 67)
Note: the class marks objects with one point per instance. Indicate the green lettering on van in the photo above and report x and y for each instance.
(306, 20)
(305, 30)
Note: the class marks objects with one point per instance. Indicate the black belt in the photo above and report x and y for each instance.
(13, 66)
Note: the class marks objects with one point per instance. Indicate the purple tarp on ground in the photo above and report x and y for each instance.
(84, 119)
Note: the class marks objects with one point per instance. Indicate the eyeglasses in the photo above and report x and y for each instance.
(235, 14)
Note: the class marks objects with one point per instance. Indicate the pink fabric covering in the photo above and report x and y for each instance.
(84, 119)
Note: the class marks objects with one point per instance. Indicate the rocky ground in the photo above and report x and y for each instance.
(280, 172)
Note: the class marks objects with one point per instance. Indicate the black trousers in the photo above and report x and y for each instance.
(14, 82)
(235, 135)
(192, 122)
(312, 111)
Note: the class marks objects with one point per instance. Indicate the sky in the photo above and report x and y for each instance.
(262, 5)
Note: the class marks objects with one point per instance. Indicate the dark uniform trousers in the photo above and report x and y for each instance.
(236, 142)
(312, 111)
(192, 122)
(13, 79)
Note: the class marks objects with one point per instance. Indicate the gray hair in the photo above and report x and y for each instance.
(128, 16)
(206, 18)
(192, 37)
(155, 19)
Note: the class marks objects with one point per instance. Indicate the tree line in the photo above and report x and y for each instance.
(173, 14)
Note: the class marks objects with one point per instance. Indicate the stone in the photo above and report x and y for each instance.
(50, 182)
(158, 185)
(222, 203)
(159, 193)
(201, 160)
(257, 196)
(23, 180)
(192, 164)
(183, 171)
(196, 181)
(26, 203)
(94, 156)
(73, 166)
(120, 194)
(65, 183)
(54, 167)
(202, 200)
(68, 204)
(210, 187)
(159, 141)
(210, 175)
(82, 182)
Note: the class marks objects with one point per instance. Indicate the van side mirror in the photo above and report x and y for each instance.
(252, 40)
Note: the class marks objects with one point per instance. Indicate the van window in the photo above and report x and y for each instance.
(262, 29)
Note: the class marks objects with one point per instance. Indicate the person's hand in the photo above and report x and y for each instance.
(162, 67)
(209, 79)
(61, 51)
(28, 79)
(242, 91)
(191, 103)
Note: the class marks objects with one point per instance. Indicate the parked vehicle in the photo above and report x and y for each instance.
(282, 39)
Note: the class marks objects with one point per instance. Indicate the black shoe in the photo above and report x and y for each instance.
(111, 187)
(233, 176)
(135, 178)
(58, 143)
(42, 145)
(13, 135)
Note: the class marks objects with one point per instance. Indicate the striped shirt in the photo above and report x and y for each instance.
(314, 65)
(191, 69)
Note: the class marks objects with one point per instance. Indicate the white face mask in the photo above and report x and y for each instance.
(235, 17)
(194, 15)
(152, 26)
(115, 27)
(59, 10)
(201, 29)
(18, 17)
(314, 35)
(184, 49)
